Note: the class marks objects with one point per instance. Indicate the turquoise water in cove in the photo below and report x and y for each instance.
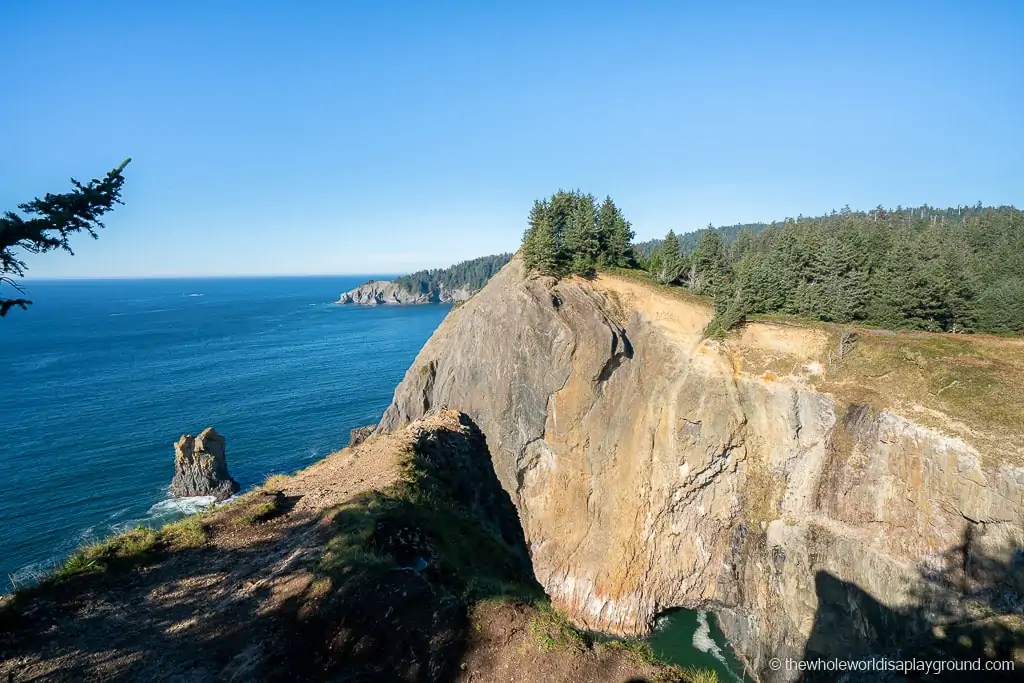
(100, 378)
(692, 639)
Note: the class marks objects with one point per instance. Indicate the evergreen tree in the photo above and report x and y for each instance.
(956, 269)
(1001, 307)
(540, 249)
(581, 242)
(616, 235)
(52, 220)
(666, 263)
(709, 268)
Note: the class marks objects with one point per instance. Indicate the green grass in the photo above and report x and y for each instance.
(186, 533)
(257, 509)
(555, 633)
(471, 562)
(699, 676)
(350, 546)
(122, 550)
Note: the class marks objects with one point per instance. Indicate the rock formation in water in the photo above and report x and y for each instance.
(382, 292)
(756, 477)
(200, 467)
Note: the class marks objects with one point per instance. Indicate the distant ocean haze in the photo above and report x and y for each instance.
(100, 377)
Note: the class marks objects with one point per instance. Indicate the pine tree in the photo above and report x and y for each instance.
(53, 219)
(616, 234)
(709, 268)
(540, 244)
(667, 264)
(581, 242)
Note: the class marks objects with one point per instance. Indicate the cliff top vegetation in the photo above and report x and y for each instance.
(921, 268)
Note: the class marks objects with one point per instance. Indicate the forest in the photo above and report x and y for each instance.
(571, 233)
(688, 241)
(952, 270)
(471, 275)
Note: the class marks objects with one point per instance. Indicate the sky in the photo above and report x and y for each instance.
(383, 137)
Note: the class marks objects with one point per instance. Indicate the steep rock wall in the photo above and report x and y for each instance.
(649, 472)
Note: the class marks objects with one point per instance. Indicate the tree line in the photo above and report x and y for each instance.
(471, 275)
(950, 270)
(570, 233)
(688, 241)
(954, 270)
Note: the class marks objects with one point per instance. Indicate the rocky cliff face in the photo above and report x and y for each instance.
(652, 469)
(200, 467)
(380, 292)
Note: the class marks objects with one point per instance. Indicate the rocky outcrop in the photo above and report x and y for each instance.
(381, 292)
(651, 471)
(360, 434)
(200, 467)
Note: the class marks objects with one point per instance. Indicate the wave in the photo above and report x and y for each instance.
(194, 295)
(181, 506)
(159, 514)
(155, 310)
(705, 642)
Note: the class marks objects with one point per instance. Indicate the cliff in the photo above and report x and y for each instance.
(828, 495)
(380, 292)
(399, 559)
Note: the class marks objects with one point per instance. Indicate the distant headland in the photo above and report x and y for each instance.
(440, 285)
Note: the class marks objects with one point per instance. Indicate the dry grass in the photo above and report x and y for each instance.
(681, 293)
(278, 482)
(972, 385)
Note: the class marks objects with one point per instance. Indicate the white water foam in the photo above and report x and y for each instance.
(184, 506)
(704, 642)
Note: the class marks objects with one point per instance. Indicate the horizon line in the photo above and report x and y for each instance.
(228, 276)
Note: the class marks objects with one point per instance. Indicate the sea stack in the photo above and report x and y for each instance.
(200, 467)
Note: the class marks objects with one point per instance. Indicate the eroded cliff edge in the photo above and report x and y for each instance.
(817, 510)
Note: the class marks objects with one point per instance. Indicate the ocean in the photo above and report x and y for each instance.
(100, 377)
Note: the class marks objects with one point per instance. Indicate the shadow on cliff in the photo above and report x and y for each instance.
(968, 606)
(377, 588)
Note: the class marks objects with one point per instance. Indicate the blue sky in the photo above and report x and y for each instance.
(343, 137)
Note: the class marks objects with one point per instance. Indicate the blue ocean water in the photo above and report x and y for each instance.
(99, 378)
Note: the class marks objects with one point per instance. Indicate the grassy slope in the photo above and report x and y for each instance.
(405, 573)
